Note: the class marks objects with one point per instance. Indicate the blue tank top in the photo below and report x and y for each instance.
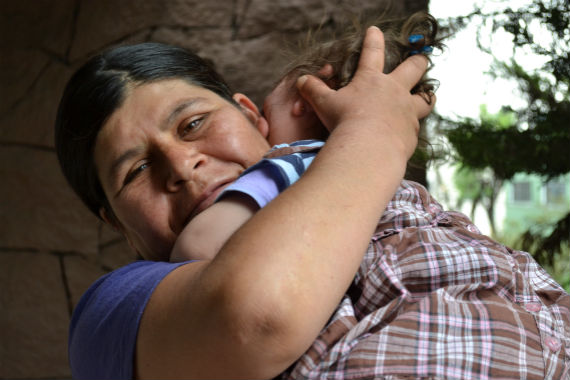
(104, 325)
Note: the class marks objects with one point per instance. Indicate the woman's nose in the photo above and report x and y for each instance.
(181, 164)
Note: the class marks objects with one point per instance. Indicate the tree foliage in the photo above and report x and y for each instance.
(481, 187)
(537, 138)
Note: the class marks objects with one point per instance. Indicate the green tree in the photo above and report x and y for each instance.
(480, 186)
(538, 138)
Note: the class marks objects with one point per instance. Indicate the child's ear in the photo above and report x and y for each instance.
(252, 113)
(300, 107)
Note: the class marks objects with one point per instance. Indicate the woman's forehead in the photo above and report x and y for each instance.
(156, 104)
(156, 98)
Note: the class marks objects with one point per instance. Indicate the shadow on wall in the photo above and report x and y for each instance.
(51, 248)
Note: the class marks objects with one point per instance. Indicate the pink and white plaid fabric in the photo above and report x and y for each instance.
(435, 299)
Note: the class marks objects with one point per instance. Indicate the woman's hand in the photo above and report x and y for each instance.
(374, 99)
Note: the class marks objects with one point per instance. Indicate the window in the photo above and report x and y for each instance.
(555, 191)
(521, 191)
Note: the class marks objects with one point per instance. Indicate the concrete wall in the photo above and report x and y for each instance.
(51, 248)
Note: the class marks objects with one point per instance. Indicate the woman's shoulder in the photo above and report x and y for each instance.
(117, 284)
(105, 322)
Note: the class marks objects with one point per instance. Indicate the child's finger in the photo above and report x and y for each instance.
(409, 72)
(372, 54)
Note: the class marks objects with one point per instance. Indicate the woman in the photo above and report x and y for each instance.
(240, 314)
(170, 140)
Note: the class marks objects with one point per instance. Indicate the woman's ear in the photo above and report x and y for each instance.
(109, 219)
(252, 113)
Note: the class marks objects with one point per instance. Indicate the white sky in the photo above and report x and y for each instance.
(463, 87)
(460, 68)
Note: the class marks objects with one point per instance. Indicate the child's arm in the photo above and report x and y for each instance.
(205, 235)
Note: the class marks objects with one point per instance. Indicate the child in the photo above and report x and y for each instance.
(291, 120)
(433, 297)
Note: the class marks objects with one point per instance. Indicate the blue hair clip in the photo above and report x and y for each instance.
(426, 50)
(415, 38)
(418, 38)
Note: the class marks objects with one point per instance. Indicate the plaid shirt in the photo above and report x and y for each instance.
(436, 299)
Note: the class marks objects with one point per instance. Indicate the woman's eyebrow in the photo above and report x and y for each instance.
(178, 110)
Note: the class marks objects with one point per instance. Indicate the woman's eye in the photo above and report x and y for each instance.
(132, 174)
(192, 126)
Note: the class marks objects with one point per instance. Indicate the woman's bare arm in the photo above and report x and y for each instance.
(255, 308)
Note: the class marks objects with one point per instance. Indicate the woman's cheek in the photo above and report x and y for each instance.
(138, 203)
(223, 141)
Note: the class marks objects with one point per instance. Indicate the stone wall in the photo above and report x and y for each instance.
(51, 247)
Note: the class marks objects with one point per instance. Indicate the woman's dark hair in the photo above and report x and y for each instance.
(98, 89)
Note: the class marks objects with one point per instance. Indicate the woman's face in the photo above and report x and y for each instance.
(166, 154)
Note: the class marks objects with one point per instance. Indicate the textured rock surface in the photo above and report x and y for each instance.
(38, 209)
(51, 247)
(34, 317)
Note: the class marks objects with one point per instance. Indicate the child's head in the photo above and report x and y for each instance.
(289, 116)
(335, 61)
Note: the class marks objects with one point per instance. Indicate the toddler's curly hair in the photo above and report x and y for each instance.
(343, 52)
